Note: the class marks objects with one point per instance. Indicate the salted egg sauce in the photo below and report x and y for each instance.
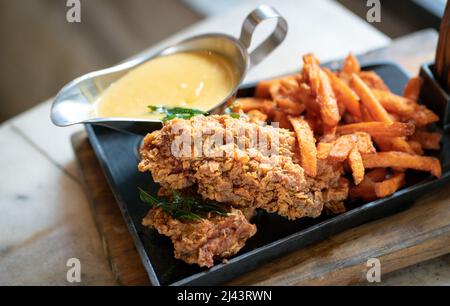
(197, 79)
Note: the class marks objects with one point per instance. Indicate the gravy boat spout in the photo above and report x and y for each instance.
(75, 103)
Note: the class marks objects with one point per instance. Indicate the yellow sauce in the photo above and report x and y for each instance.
(199, 79)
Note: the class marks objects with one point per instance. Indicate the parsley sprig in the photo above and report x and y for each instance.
(182, 206)
(175, 112)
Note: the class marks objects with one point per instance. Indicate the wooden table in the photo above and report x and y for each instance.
(45, 217)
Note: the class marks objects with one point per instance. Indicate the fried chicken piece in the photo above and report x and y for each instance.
(200, 242)
(239, 173)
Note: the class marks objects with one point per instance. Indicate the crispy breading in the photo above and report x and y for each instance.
(200, 242)
(249, 177)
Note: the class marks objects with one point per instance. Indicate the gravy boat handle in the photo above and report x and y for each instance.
(259, 15)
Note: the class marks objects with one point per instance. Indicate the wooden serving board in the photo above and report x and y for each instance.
(412, 236)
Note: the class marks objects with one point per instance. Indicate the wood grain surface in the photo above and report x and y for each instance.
(415, 235)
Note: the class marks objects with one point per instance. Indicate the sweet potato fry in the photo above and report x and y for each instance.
(321, 87)
(323, 150)
(380, 129)
(403, 160)
(266, 106)
(282, 119)
(416, 146)
(364, 143)
(311, 59)
(428, 140)
(373, 80)
(329, 132)
(422, 116)
(290, 107)
(307, 145)
(289, 82)
(394, 103)
(383, 144)
(265, 89)
(344, 94)
(366, 116)
(412, 88)
(365, 191)
(262, 89)
(376, 110)
(341, 148)
(401, 145)
(351, 65)
(369, 100)
(327, 101)
(389, 186)
(356, 164)
(377, 174)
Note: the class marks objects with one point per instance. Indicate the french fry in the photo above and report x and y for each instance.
(323, 149)
(311, 59)
(307, 145)
(351, 65)
(341, 148)
(305, 95)
(329, 132)
(365, 191)
(364, 143)
(289, 82)
(377, 111)
(290, 107)
(403, 160)
(266, 106)
(282, 119)
(378, 129)
(416, 146)
(401, 145)
(369, 100)
(373, 80)
(265, 89)
(366, 116)
(321, 87)
(422, 116)
(394, 103)
(344, 94)
(412, 88)
(341, 106)
(327, 101)
(262, 89)
(389, 186)
(377, 174)
(384, 144)
(427, 140)
(356, 164)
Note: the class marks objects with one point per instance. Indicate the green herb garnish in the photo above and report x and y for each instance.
(181, 206)
(176, 112)
(229, 111)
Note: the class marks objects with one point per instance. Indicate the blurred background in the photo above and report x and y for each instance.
(40, 51)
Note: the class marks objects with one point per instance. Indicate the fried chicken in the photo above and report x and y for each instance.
(240, 173)
(203, 241)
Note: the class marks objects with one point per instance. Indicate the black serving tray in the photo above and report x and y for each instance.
(118, 155)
